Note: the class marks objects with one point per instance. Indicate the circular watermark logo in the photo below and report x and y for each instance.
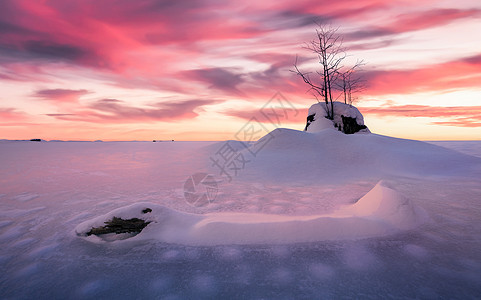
(200, 189)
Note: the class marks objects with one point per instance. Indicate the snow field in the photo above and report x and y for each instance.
(67, 184)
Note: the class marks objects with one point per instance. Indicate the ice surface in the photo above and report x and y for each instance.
(466, 147)
(49, 189)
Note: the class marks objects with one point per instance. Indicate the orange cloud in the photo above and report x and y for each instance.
(463, 116)
(11, 114)
(277, 115)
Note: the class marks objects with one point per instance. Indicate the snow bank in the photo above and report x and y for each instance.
(331, 156)
(381, 211)
(386, 205)
(319, 122)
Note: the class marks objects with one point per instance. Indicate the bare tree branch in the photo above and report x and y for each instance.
(330, 52)
(349, 82)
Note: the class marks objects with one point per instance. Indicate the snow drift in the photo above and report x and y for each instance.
(322, 152)
(331, 156)
(381, 211)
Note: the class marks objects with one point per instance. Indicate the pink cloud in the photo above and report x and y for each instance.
(218, 78)
(257, 86)
(462, 116)
(60, 95)
(457, 74)
(102, 34)
(413, 21)
(431, 18)
(117, 111)
(274, 115)
(337, 9)
(192, 48)
(11, 114)
(109, 35)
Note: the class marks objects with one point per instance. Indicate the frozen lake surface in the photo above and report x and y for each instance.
(47, 189)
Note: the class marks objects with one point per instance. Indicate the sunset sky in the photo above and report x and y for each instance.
(199, 70)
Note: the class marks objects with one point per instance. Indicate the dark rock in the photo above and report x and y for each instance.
(147, 210)
(350, 126)
(35, 140)
(119, 225)
(310, 119)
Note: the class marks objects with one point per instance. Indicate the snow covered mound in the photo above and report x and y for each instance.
(386, 205)
(331, 156)
(381, 211)
(347, 118)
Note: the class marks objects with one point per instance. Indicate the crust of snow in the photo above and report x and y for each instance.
(381, 211)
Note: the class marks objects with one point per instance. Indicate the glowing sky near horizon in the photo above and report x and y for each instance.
(199, 70)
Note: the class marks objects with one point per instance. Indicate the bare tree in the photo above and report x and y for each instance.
(328, 47)
(349, 82)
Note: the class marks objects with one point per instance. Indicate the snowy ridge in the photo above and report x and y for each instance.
(383, 203)
(333, 156)
(381, 211)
